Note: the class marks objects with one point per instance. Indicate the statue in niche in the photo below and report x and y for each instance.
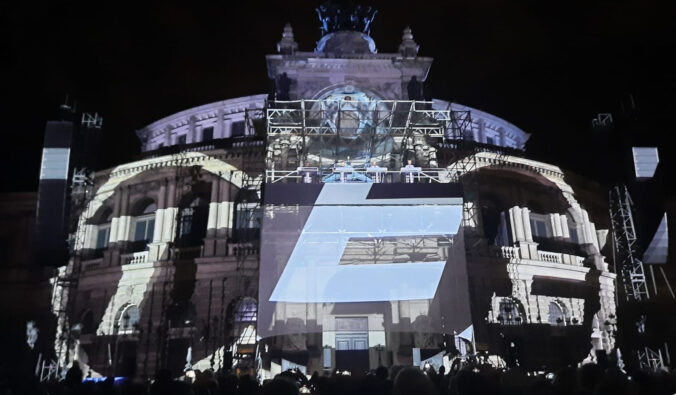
(283, 85)
(415, 91)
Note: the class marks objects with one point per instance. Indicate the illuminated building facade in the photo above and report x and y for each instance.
(173, 270)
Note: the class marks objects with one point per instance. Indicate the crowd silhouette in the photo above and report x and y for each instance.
(588, 379)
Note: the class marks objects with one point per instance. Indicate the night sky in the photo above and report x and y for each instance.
(547, 67)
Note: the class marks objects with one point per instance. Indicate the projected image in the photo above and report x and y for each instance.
(352, 237)
(392, 254)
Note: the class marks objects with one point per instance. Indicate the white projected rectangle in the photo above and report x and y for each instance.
(54, 163)
(356, 249)
(646, 160)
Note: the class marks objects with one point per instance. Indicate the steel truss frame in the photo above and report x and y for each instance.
(629, 265)
(390, 117)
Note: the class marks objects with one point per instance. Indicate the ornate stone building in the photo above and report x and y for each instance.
(165, 264)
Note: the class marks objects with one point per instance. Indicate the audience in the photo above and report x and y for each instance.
(587, 380)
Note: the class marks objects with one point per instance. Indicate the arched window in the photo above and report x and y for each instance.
(128, 318)
(192, 223)
(557, 313)
(510, 313)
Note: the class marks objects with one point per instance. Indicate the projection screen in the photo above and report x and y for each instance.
(360, 248)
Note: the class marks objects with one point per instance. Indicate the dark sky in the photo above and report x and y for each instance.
(547, 67)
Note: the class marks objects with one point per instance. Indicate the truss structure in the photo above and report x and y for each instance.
(628, 264)
(346, 118)
(650, 360)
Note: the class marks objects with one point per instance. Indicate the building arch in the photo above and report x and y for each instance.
(127, 318)
(511, 312)
(558, 313)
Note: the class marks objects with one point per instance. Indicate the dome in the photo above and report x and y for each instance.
(346, 42)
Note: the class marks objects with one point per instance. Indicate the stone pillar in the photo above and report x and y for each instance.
(220, 124)
(563, 222)
(192, 130)
(481, 131)
(165, 222)
(167, 136)
(212, 221)
(528, 232)
(516, 221)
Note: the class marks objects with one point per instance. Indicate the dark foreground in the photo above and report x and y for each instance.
(589, 379)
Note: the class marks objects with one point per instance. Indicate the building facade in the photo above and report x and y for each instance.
(166, 268)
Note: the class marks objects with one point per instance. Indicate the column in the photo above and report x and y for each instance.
(192, 130)
(212, 221)
(220, 124)
(482, 131)
(167, 136)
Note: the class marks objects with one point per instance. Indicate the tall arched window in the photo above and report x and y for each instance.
(510, 313)
(558, 313)
(192, 222)
(128, 318)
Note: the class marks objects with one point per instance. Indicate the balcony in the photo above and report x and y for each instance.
(514, 255)
(135, 258)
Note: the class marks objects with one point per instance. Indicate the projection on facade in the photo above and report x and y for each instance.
(360, 246)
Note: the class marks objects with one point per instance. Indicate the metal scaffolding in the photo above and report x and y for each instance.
(628, 264)
(347, 117)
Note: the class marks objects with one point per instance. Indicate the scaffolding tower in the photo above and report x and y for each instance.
(628, 264)
(630, 268)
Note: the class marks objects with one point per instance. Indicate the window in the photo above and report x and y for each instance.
(144, 224)
(102, 230)
(208, 134)
(102, 236)
(538, 226)
(192, 223)
(509, 312)
(557, 313)
(143, 229)
(246, 310)
(128, 319)
(574, 236)
(238, 129)
(182, 139)
(489, 140)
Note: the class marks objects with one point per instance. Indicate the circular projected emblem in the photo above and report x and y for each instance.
(349, 112)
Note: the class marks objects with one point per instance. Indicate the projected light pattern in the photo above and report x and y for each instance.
(343, 214)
